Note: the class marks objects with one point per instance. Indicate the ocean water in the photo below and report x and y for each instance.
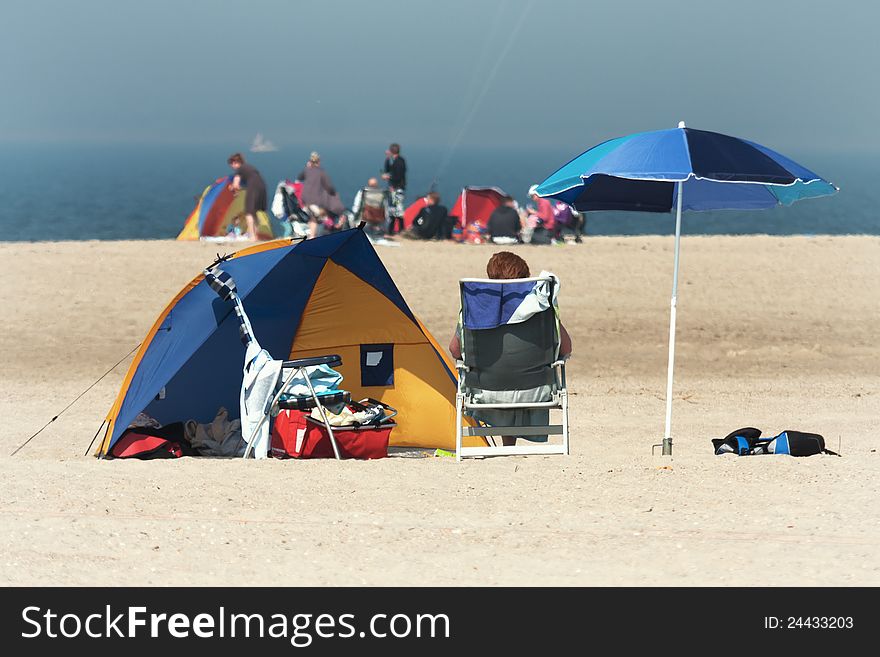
(108, 192)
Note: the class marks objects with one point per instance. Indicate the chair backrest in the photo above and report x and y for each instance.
(373, 205)
(374, 197)
(501, 355)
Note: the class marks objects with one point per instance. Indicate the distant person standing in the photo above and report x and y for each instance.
(318, 191)
(394, 173)
(247, 177)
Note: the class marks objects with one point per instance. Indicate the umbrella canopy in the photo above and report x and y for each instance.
(685, 169)
(641, 172)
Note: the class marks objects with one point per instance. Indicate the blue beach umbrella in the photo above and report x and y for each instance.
(681, 169)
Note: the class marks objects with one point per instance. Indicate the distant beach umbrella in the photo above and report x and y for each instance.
(681, 169)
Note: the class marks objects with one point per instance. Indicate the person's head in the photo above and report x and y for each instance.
(533, 193)
(508, 201)
(314, 159)
(393, 150)
(505, 264)
(433, 198)
(235, 160)
(373, 182)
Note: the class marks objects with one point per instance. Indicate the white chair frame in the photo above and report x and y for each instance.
(464, 401)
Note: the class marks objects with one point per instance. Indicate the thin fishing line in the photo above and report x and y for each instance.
(75, 400)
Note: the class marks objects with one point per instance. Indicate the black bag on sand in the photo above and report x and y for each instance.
(740, 442)
(796, 443)
(748, 441)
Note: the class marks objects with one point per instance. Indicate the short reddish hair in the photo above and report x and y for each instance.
(505, 264)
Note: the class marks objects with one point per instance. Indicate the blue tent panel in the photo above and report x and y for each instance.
(211, 377)
(192, 321)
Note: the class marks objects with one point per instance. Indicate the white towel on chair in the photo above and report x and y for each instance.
(538, 300)
(258, 387)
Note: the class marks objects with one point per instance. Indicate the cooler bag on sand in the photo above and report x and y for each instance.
(296, 434)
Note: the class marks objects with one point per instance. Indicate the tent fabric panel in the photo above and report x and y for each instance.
(346, 310)
(422, 393)
(478, 203)
(224, 208)
(161, 323)
(190, 230)
(211, 195)
(190, 321)
(359, 257)
(211, 378)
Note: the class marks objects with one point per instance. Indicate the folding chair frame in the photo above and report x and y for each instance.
(464, 402)
(298, 367)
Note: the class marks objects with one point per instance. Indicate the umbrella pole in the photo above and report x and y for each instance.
(667, 436)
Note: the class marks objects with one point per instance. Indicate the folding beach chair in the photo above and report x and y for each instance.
(510, 342)
(293, 374)
(269, 385)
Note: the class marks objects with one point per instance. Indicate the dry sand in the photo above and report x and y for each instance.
(774, 332)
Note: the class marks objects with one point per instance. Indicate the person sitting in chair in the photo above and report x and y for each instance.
(370, 205)
(507, 265)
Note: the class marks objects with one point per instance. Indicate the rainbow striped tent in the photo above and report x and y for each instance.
(329, 295)
(215, 212)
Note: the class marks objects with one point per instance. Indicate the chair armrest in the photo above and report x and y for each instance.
(332, 360)
(559, 368)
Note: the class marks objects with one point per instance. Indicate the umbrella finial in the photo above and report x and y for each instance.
(681, 124)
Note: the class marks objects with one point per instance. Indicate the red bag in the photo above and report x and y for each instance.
(137, 444)
(295, 434)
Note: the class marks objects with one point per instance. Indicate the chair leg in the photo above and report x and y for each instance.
(565, 422)
(323, 415)
(459, 404)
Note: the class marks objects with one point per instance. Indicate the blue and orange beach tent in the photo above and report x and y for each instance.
(330, 295)
(216, 209)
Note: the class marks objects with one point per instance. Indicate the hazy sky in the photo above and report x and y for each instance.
(487, 72)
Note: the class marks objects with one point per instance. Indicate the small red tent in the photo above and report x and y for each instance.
(475, 204)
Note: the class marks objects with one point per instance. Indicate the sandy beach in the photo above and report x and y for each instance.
(776, 333)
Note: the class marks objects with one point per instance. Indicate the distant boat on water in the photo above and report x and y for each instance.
(262, 145)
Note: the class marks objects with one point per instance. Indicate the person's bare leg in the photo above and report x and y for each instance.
(251, 230)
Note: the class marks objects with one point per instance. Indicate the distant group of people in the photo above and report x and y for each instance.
(382, 209)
